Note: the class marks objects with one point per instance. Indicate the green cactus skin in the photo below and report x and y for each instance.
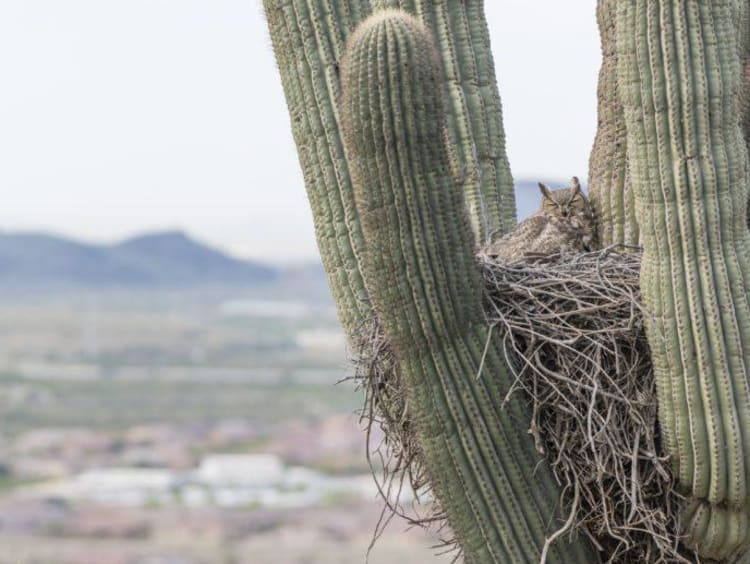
(743, 17)
(609, 183)
(475, 121)
(308, 38)
(504, 505)
(420, 270)
(745, 100)
(680, 78)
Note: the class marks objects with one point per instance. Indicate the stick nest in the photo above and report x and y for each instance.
(572, 329)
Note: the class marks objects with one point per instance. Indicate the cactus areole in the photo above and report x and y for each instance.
(398, 124)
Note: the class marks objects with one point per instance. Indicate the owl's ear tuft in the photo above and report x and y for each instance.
(546, 192)
(575, 184)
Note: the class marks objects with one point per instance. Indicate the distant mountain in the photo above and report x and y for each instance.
(169, 259)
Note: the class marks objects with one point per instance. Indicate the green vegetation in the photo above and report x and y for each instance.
(113, 404)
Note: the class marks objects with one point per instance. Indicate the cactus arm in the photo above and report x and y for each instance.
(308, 37)
(680, 77)
(475, 123)
(420, 270)
(609, 183)
(476, 110)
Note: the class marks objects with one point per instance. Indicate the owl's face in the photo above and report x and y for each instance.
(566, 203)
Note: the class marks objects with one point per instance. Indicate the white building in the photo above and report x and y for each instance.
(121, 486)
(240, 470)
(224, 480)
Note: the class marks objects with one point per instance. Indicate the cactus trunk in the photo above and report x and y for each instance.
(308, 56)
(420, 270)
(680, 79)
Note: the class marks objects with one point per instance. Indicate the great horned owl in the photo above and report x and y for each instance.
(565, 222)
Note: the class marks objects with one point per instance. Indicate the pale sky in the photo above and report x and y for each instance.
(121, 116)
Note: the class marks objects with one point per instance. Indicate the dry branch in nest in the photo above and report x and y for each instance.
(571, 326)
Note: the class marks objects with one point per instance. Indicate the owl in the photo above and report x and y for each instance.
(565, 222)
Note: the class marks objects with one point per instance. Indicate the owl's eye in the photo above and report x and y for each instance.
(548, 205)
(578, 203)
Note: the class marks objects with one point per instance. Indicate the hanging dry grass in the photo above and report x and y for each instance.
(572, 329)
(393, 449)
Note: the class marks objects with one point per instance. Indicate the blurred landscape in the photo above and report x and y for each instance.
(164, 403)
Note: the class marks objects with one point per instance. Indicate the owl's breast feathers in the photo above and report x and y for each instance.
(542, 234)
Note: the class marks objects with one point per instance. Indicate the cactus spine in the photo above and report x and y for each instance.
(680, 78)
(395, 231)
(609, 183)
(308, 54)
(420, 270)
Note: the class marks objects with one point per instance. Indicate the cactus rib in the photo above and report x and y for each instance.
(420, 272)
(680, 78)
(609, 182)
(307, 58)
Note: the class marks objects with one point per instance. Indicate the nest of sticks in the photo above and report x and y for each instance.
(572, 329)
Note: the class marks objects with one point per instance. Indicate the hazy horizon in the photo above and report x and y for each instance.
(163, 231)
(525, 206)
(121, 118)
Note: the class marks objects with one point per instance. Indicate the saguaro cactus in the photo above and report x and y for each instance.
(398, 126)
(420, 271)
(680, 75)
(609, 179)
(500, 497)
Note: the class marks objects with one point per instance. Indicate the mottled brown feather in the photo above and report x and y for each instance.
(564, 222)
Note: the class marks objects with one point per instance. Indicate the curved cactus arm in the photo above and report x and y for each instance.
(475, 121)
(679, 75)
(499, 497)
(609, 183)
(308, 38)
